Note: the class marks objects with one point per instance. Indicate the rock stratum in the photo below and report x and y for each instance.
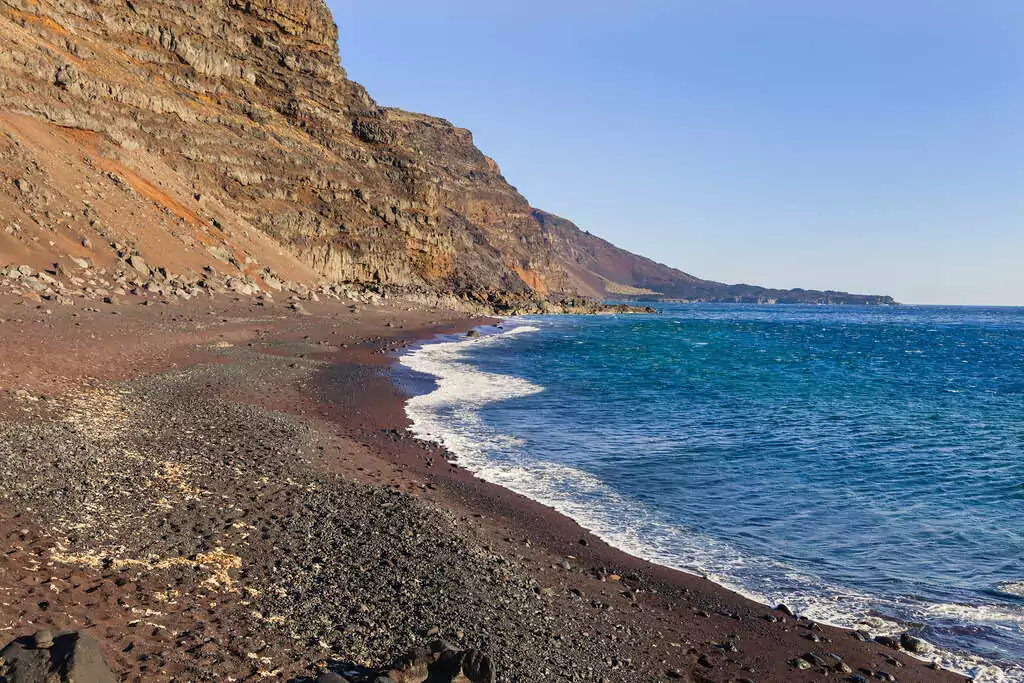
(225, 135)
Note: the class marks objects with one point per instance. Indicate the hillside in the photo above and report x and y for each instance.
(225, 135)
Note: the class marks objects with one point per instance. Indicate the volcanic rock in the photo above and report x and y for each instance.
(227, 135)
(442, 664)
(44, 658)
(916, 645)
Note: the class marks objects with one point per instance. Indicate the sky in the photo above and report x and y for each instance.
(860, 145)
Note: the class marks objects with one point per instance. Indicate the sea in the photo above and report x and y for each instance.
(862, 465)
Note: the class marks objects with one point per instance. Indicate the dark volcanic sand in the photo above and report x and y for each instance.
(223, 491)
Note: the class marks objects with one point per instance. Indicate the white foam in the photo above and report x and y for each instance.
(978, 669)
(991, 614)
(450, 416)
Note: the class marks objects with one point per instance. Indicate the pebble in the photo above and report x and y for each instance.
(814, 659)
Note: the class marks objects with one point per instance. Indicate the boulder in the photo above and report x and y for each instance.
(46, 657)
(139, 264)
(915, 645)
(442, 664)
(331, 677)
(888, 641)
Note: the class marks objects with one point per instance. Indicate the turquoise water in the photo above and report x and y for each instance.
(864, 465)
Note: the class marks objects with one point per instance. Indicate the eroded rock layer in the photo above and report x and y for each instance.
(226, 134)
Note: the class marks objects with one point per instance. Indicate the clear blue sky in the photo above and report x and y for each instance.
(870, 146)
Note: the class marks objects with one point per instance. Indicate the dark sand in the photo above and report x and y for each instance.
(225, 491)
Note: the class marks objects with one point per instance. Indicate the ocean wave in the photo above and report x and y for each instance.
(978, 613)
(978, 669)
(450, 416)
(1015, 588)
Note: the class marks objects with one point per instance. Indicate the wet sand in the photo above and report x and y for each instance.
(222, 490)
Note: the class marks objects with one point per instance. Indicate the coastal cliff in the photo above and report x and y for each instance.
(225, 135)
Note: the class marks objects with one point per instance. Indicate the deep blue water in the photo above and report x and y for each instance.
(863, 465)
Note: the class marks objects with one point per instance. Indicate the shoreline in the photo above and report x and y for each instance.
(509, 575)
(559, 535)
(609, 552)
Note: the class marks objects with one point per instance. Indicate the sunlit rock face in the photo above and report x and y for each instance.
(245, 104)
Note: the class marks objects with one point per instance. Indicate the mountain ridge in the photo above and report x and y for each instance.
(211, 126)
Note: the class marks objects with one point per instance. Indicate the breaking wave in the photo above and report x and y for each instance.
(450, 415)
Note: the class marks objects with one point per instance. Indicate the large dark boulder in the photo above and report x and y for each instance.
(441, 664)
(48, 658)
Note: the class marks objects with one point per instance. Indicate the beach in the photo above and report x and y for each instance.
(224, 489)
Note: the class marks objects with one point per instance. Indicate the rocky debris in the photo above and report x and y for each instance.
(78, 279)
(139, 264)
(69, 657)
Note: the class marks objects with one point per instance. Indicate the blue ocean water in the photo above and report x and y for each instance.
(864, 465)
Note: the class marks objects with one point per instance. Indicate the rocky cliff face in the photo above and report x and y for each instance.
(225, 134)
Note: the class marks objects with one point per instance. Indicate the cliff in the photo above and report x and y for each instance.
(225, 134)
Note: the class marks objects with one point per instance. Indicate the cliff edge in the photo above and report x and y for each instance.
(225, 135)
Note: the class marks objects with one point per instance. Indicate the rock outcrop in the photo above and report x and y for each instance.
(226, 134)
(69, 657)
